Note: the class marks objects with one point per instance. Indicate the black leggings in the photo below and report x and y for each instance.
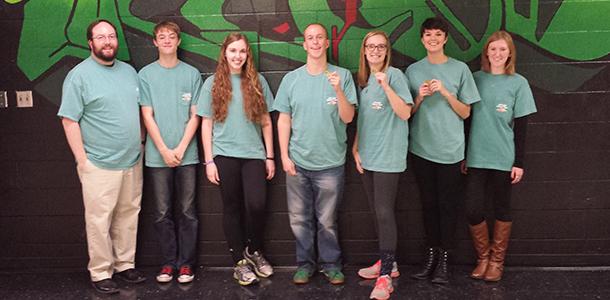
(381, 189)
(440, 190)
(485, 185)
(243, 188)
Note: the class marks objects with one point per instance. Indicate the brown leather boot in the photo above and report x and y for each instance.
(498, 251)
(480, 240)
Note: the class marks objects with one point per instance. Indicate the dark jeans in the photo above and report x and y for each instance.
(173, 190)
(381, 189)
(440, 189)
(243, 188)
(485, 185)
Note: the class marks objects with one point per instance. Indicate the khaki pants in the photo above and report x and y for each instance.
(112, 203)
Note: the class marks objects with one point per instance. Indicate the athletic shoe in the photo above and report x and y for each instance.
(334, 276)
(383, 288)
(259, 264)
(301, 276)
(166, 274)
(185, 275)
(243, 273)
(372, 272)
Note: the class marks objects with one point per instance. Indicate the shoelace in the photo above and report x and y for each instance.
(185, 270)
(166, 270)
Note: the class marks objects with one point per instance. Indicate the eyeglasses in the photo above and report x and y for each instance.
(102, 38)
(372, 47)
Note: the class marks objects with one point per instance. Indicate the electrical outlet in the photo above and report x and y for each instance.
(3, 99)
(24, 99)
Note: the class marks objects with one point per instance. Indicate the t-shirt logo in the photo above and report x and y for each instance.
(377, 105)
(331, 101)
(186, 97)
(501, 108)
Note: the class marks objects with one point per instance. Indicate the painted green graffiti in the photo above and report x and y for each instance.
(576, 30)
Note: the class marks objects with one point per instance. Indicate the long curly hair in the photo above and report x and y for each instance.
(254, 103)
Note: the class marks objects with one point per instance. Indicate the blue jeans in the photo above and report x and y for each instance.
(315, 196)
(173, 190)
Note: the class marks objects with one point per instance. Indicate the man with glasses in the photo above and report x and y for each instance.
(100, 115)
(316, 102)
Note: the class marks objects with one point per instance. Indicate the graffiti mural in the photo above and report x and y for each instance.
(549, 35)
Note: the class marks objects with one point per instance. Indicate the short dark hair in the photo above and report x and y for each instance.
(95, 23)
(434, 23)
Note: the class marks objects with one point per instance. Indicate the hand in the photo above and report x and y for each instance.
(169, 157)
(81, 161)
(516, 174)
(424, 89)
(270, 167)
(334, 80)
(437, 86)
(289, 166)
(212, 173)
(179, 152)
(358, 161)
(382, 79)
(463, 167)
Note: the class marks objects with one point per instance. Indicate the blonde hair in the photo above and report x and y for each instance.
(364, 71)
(509, 66)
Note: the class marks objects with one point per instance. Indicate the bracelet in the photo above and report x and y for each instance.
(270, 158)
(209, 162)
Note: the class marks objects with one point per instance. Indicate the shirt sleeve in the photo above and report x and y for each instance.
(72, 105)
(282, 98)
(524, 102)
(145, 95)
(349, 88)
(468, 92)
(204, 101)
(400, 85)
(196, 88)
(266, 92)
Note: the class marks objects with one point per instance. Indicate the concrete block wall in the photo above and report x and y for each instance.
(561, 210)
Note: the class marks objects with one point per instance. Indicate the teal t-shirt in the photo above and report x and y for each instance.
(104, 101)
(318, 137)
(437, 132)
(383, 137)
(491, 141)
(170, 92)
(237, 136)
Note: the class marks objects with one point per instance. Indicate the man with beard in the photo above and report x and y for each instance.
(100, 115)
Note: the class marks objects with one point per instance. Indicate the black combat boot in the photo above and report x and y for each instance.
(428, 267)
(441, 274)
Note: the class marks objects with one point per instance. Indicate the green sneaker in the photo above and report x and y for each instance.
(301, 276)
(334, 276)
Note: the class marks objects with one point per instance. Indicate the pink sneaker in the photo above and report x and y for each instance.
(372, 272)
(383, 288)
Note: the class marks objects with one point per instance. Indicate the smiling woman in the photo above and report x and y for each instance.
(235, 105)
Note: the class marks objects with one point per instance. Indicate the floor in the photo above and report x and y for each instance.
(217, 283)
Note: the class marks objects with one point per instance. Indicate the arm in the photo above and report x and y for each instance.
(356, 155)
(206, 139)
(153, 131)
(520, 130)
(75, 140)
(460, 108)
(267, 129)
(284, 126)
(189, 132)
(424, 90)
(400, 108)
(346, 109)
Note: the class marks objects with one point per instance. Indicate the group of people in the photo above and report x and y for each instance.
(103, 99)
